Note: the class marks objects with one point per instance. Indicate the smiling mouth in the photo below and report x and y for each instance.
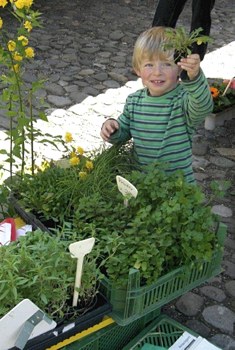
(158, 81)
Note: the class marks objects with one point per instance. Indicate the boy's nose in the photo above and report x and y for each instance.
(157, 69)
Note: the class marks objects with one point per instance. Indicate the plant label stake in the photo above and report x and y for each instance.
(229, 83)
(126, 188)
(78, 250)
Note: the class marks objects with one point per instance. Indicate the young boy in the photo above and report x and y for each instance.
(161, 117)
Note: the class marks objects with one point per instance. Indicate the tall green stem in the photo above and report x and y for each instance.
(31, 131)
(21, 110)
(11, 138)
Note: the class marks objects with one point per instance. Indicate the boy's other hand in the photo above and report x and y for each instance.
(191, 64)
(108, 128)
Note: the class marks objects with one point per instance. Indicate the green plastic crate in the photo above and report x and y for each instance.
(161, 332)
(135, 301)
(113, 337)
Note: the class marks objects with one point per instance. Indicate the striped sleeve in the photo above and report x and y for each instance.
(197, 99)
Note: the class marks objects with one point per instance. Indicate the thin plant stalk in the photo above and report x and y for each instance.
(31, 131)
(11, 139)
(20, 112)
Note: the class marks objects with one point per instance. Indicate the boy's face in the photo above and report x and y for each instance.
(158, 76)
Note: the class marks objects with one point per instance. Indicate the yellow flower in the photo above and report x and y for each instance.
(28, 3)
(82, 175)
(68, 137)
(28, 26)
(16, 68)
(23, 40)
(11, 45)
(89, 165)
(20, 4)
(1, 23)
(199, 42)
(3, 3)
(44, 165)
(74, 161)
(17, 56)
(80, 150)
(29, 52)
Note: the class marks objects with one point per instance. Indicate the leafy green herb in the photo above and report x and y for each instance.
(179, 40)
(166, 225)
(38, 266)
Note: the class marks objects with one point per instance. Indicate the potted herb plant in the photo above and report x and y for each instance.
(39, 267)
(151, 239)
(223, 94)
(147, 240)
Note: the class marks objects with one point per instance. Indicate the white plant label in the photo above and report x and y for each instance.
(126, 188)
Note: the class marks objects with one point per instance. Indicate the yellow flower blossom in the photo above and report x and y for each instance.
(16, 68)
(29, 52)
(17, 56)
(1, 23)
(28, 26)
(82, 175)
(20, 4)
(11, 45)
(28, 3)
(80, 150)
(74, 161)
(68, 137)
(23, 40)
(89, 165)
(3, 3)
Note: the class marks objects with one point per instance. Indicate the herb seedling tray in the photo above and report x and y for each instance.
(134, 301)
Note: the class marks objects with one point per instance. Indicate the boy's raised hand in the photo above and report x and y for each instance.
(191, 64)
(108, 128)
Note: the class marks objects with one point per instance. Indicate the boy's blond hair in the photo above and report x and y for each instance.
(150, 44)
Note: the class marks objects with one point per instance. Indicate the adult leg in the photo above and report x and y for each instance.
(201, 17)
(167, 12)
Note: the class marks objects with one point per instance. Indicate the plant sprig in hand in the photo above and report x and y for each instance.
(180, 41)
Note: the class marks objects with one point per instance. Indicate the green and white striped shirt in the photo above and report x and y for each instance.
(162, 127)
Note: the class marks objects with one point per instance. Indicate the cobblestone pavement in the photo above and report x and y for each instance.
(84, 50)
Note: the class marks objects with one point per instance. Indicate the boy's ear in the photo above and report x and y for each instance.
(137, 72)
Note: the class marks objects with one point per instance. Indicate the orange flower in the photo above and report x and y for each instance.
(214, 92)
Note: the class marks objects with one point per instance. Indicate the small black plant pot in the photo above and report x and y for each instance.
(67, 329)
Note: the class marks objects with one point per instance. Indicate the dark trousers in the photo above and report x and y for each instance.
(168, 12)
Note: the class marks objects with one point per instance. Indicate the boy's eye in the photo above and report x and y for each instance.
(166, 64)
(148, 65)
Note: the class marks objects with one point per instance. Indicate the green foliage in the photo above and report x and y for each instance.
(17, 96)
(55, 192)
(218, 189)
(180, 41)
(223, 96)
(38, 266)
(158, 231)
